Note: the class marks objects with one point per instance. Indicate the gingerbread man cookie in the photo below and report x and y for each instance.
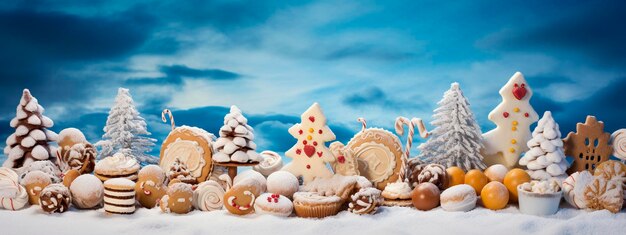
(310, 154)
(513, 117)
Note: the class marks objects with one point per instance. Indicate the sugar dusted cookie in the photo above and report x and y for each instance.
(74, 152)
(602, 194)
(310, 153)
(150, 186)
(179, 199)
(345, 162)
(254, 175)
(192, 147)
(87, 192)
(612, 170)
(55, 198)
(34, 182)
(48, 167)
(273, 204)
(434, 173)
(338, 185)
(574, 188)
(458, 198)
(282, 183)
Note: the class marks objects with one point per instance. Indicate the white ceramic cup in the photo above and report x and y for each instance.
(538, 203)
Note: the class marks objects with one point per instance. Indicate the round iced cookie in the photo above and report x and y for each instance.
(273, 204)
(150, 186)
(252, 175)
(34, 182)
(179, 199)
(282, 183)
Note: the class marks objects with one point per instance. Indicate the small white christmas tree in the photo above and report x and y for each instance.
(310, 153)
(30, 141)
(126, 131)
(236, 142)
(546, 158)
(456, 140)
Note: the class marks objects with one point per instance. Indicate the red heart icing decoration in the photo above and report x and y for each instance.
(341, 159)
(312, 118)
(319, 154)
(309, 150)
(519, 91)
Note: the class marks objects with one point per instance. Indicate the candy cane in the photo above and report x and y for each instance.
(420, 127)
(400, 122)
(363, 123)
(167, 111)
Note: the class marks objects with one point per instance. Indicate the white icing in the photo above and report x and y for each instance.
(574, 188)
(117, 163)
(541, 187)
(87, 191)
(188, 152)
(231, 201)
(397, 190)
(313, 197)
(310, 167)
(380, 161)
(498, 142)
(283, 183)
(458, 198)
(618, 140)
(208, 196)
(119, 182)
(277, 205)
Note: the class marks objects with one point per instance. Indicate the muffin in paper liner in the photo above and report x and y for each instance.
(315, 205)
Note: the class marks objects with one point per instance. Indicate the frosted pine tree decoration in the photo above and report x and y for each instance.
(30, 141)
(546, 158)
(513, 117)
(126, 131)
(456, 139)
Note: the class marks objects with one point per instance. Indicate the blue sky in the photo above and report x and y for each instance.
(273, 59)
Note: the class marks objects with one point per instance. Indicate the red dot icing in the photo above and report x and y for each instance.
(300, 132)
(320, 131)
(314, 143)
(308, 166)
(304, 142)
(526, 115)
(505, 114)
(298, 151)
(312, 118)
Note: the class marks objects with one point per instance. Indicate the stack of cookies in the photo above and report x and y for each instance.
(119, 196)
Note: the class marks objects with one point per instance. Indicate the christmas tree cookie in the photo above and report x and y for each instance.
(456, 140)
(310, 154)
(545, 159)
(30, 141)
(513, 117)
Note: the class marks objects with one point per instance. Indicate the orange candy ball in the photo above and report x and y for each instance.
(494, 195)
(456, 176)
(514, 178)
(477, 179)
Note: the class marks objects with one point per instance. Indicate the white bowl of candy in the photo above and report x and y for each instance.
(539, 197)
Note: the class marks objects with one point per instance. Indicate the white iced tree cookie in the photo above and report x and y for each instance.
(126, 130)
(456, 140)
(30, 141)
(236, 142)
(545, 159)
(310, 154)
(513, 117)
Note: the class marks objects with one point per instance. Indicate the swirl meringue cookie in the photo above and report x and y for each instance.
(273, 204)
(208, 196)
(13, 196)
(271, 163)
(117, 166)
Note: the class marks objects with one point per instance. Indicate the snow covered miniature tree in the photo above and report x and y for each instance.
(456, 140)
(30, 141)
(513, 117)
(310, 154)
(546, 158)
(236, 142)
(126, 131)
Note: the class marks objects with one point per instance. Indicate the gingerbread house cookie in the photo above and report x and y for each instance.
(589, 146)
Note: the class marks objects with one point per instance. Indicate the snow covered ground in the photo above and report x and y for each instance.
(387, 221)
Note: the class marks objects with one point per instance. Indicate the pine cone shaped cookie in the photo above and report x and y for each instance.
(434, 173)
(55, 198)
(365, 201)
(80, 157)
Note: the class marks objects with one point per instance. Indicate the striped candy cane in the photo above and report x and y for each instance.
(420, 127)
(168, 112)
(363, 123)
(400, 122)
